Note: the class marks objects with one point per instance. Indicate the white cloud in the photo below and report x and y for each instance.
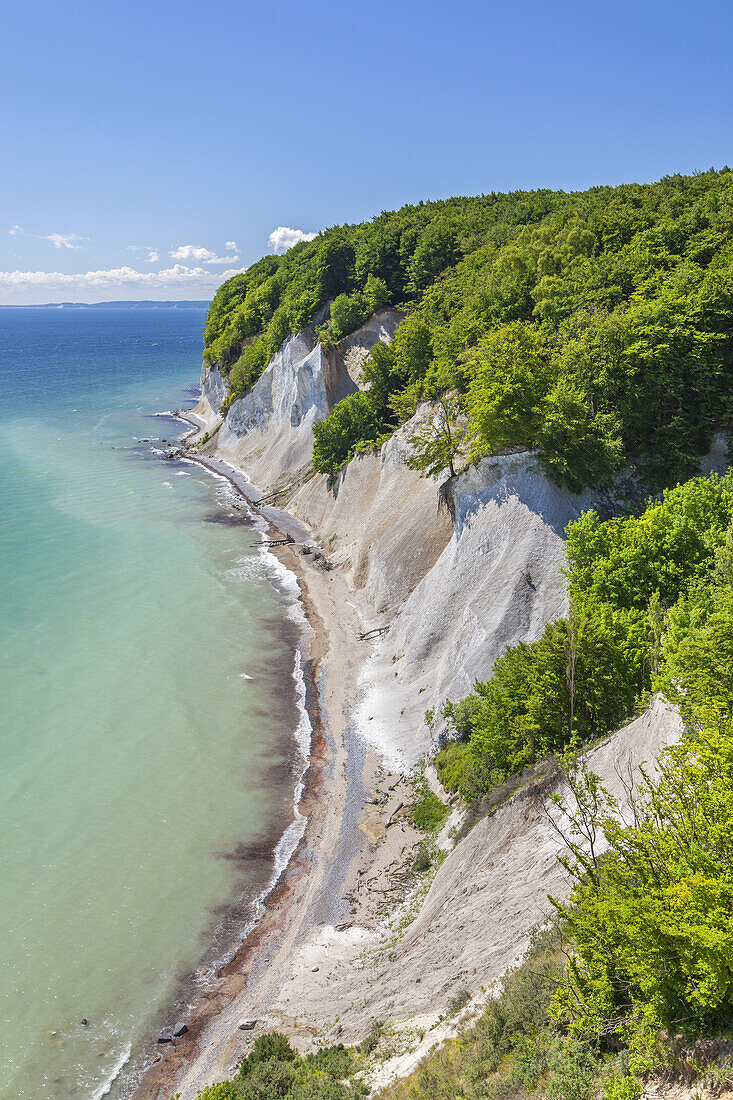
(63, 240)
(231, 245)
(58, 240)
(188, 252)
(47, 285)
(115, 276)
(283, 238)
(152, 253)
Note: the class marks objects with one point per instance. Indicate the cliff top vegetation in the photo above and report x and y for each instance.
(596, 325)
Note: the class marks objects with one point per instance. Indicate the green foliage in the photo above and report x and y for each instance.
(368, 1045)
(637, 966)
(459, 767)
(274, 1045)
(698, 649)
(428, 812)
(438, 443)
(423, 860)
(347, 313)
(376, 294)
(528, 711)
(578, 447)
(354, 421)
(651, 919)
(509, 379)
(225, 1090)
(249, 366)
(618, 1087)
(596, 325)
(273, 1070)
(651, 609)
(459, 1002)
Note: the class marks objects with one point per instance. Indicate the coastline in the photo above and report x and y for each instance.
(312, 888)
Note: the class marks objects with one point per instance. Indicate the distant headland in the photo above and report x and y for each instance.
(111, 305)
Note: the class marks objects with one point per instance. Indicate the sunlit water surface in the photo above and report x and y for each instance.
(146, 695)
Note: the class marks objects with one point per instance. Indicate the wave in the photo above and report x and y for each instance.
(285, 585)
(114, 1073)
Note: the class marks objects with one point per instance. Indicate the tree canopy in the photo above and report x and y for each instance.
(597, 325)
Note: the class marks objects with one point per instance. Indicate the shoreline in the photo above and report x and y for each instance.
(163, 1069)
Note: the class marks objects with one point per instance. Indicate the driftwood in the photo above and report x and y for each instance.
(393, 815)
(373, 633)
(272, 496)
(280, 542)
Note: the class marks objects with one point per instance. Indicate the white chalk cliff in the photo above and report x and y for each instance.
(455, 585)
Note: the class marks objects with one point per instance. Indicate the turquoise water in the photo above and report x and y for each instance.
(147, 772)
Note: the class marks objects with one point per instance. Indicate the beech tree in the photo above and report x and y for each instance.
(439, 441)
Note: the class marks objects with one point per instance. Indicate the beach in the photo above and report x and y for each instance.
(348, 799)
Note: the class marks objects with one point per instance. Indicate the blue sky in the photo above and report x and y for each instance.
(149, 148)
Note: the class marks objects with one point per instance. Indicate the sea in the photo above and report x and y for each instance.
(152, 729)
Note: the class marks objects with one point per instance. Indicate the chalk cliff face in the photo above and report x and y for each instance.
(454, 586)
(477, 918)
(497, 581)
(380, 520)
(269, 431)
(213, 387)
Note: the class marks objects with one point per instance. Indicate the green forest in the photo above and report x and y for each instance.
(595, 326)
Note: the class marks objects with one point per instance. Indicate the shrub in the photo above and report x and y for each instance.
(353, 420)
(225, 1090)
(428, 812)
(651, 919)
(369, 1044)
(273, 1045)
(347, 313)
(423, 860)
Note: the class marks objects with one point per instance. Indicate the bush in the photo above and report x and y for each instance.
(428, 812)
(368, 1045)
(353, 420)
(423, 860)
(225, 1090)
(651, 919)
(347, 313)
(273, 1045)
(273, 1070)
